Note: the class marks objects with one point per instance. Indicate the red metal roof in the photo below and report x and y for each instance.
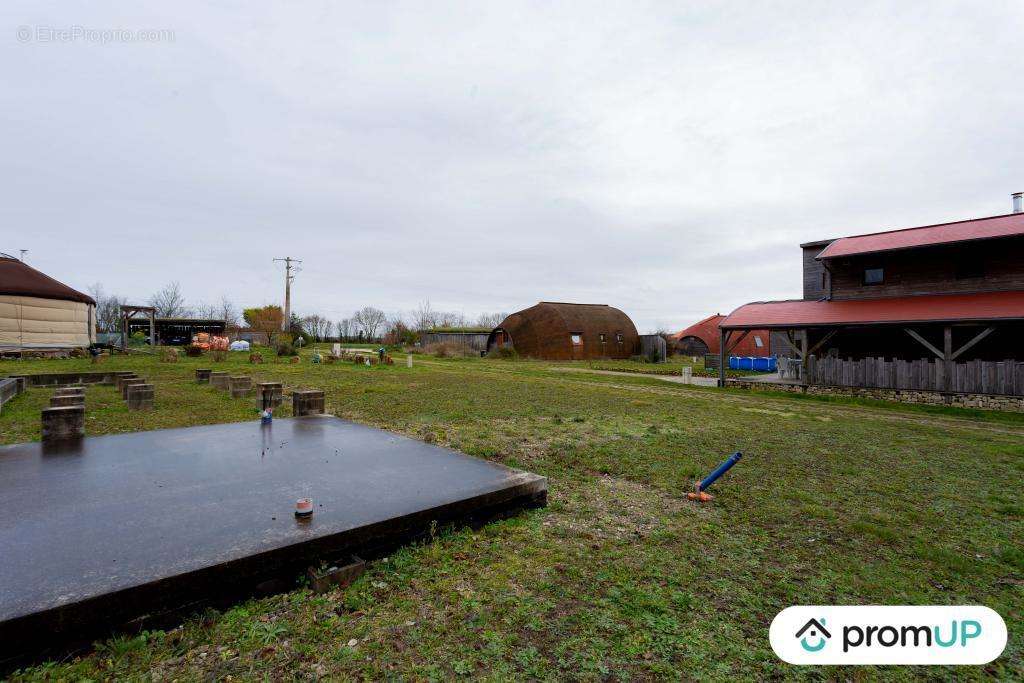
(707, 331)
(708, 326)
(961, 231)
(904, 309)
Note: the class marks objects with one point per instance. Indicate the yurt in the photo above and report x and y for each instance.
(38, 313)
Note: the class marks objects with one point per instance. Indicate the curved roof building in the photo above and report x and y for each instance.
(38, 312)
(703, 337)
(561, 331)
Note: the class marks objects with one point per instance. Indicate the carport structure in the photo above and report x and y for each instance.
(981, 326)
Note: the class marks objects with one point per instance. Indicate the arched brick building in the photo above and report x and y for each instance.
(561, 331)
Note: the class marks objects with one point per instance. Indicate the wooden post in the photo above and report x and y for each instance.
(723, 341)
(152, 328)
(803, 357)
(947, 358)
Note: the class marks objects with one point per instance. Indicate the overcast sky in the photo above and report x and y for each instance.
(665, 158)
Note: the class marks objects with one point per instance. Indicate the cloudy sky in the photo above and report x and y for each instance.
(665, 158)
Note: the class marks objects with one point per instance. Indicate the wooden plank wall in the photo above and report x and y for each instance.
(972, 377)
(474, 340)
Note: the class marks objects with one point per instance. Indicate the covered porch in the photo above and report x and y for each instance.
(965, 343)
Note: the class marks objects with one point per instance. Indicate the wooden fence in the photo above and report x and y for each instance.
(972, 377)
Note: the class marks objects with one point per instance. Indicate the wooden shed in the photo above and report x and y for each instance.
(474, 338)
(563, 331)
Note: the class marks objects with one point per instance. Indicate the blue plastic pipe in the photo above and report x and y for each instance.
(722, 469)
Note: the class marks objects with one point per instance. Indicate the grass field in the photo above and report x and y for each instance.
(835, 502)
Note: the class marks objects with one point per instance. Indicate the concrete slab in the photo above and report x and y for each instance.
(130, 531)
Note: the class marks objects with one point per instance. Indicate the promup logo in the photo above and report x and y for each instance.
(817, 630)
(964, 634)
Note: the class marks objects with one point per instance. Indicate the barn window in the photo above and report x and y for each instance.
(577, 340)
(618, 337)
(757, 341)
(601, 336)
(874, 276)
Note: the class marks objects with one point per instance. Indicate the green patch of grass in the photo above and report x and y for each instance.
(836, 502)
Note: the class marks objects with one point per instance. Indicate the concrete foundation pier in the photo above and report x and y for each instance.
(203, 376)
(70, 391)
(219, 380)
(307, 403)
(269, 395)
(111, 378)
(128, 384)
(70, 400)
(63, 423)
(140, 396)
(121, 379)
(240, 386)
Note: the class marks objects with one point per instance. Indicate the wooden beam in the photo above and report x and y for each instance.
(822, 341)
(977, 338)
(924, 342)
(786, 341)
(723, 339)
(947, 352)
(738, 340)
(803, 355)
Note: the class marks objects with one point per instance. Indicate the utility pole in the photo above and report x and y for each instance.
(288, 277)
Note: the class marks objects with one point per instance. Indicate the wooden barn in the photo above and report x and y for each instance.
(470, 337)
(934, 308)
(563, 331)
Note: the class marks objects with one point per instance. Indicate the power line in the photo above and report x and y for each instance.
(288, 277)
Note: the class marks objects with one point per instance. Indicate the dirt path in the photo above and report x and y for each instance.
(674, 379)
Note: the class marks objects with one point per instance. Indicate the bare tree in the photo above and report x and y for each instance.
(108, 309)
(370, 320)
(345, 329)
(490, 319)
(450, 319)
(227, 312)
(317, 326)
(423, 316)
(205, 311)
(169, 302)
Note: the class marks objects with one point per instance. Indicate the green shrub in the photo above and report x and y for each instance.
(286, 349)
(503, 353)
(193, 350)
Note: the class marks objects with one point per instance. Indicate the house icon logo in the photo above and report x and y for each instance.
(817, 633)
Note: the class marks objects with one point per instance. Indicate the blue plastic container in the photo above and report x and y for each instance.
(746, 363)
(734, 363)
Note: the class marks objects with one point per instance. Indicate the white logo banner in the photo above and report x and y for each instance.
(837, 634)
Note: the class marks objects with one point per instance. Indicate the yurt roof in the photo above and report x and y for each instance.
(19, 279)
